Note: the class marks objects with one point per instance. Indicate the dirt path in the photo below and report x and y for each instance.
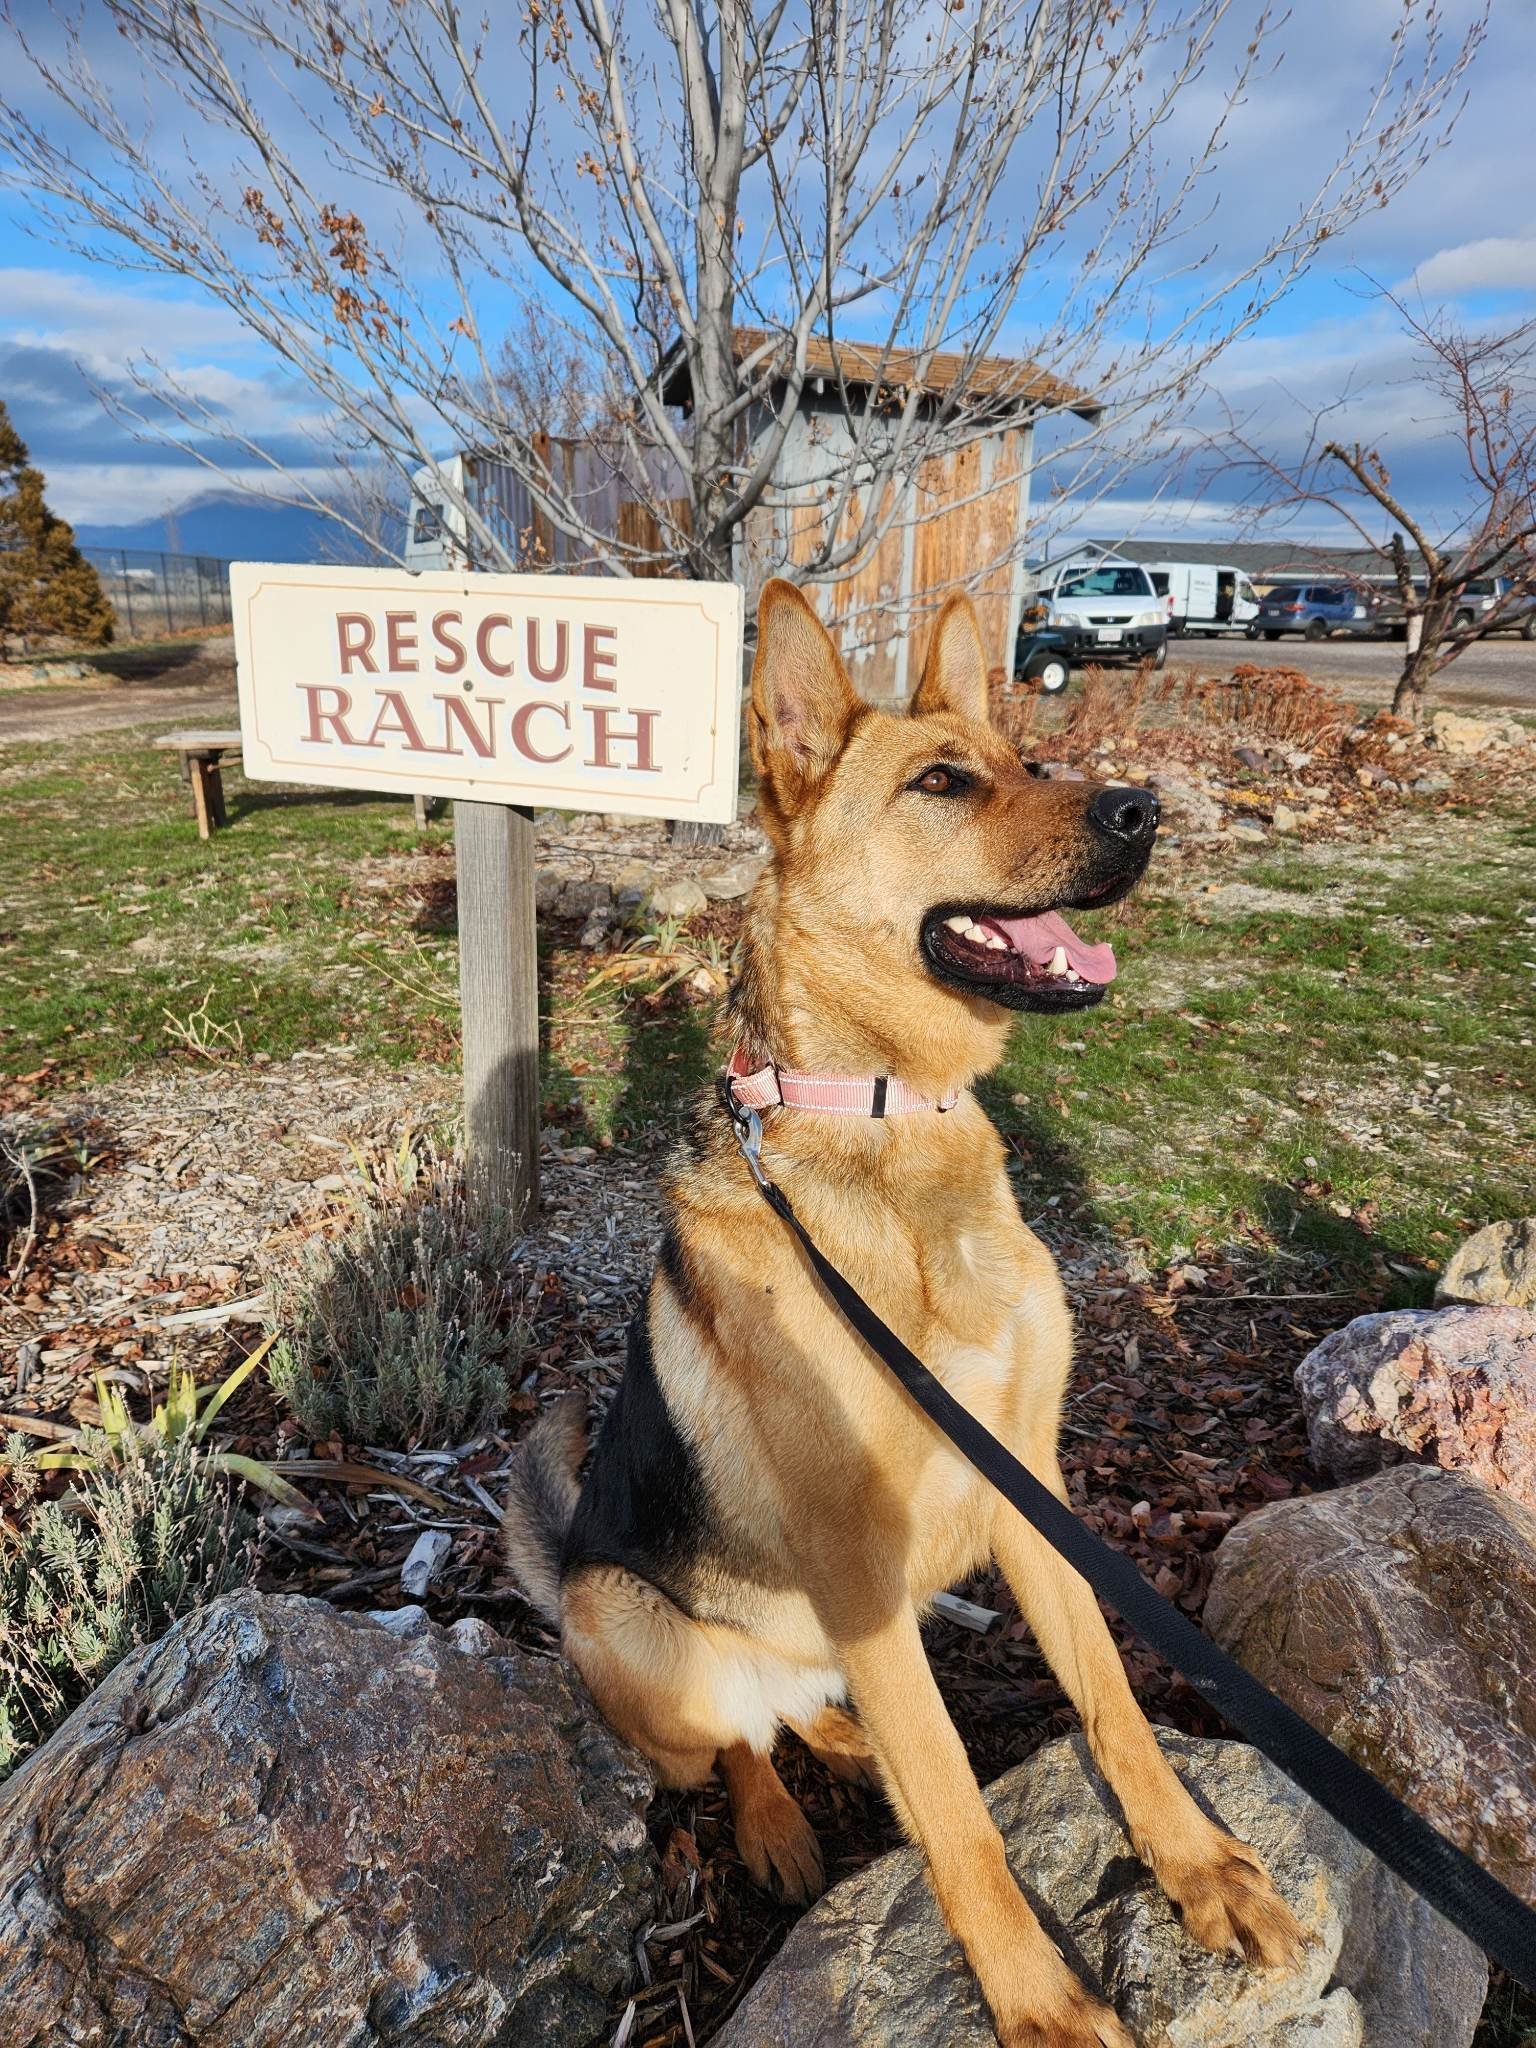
(195, 687)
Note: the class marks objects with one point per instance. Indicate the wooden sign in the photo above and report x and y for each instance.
(582, 693)
(506, 693)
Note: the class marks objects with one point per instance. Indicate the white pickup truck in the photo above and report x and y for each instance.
(1104, 611)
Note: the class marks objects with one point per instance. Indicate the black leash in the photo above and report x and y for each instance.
(1485, 1911)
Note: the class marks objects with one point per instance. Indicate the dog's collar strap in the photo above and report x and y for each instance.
(835, 1094)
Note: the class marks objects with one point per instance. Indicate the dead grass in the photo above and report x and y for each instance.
(1261, 703)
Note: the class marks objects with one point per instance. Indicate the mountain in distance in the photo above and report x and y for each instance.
(233, 526)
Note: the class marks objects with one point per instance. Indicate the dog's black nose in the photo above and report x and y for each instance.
(1129, 815)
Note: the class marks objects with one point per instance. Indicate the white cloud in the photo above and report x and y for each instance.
(1494, 263)
(101, 320)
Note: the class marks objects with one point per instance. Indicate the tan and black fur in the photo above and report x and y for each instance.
(767, 1513)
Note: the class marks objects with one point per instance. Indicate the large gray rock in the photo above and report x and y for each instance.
(1398, 1615)
(872, 1966)
(1455, 1387)
(281, 1825)
(1495, 1264)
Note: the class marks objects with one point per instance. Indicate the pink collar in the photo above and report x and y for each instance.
(839, 1094)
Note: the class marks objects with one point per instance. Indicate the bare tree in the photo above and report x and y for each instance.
(1462, 571)
(370, 184)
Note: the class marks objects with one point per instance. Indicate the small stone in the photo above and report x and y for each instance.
(1496, 1264)
(425, 1559)
(1247, 828)
(1432, 785)
(409, 1620)
(632, 884)
(681, 899)
(473, 1636)
(578, 899)
(1284, 819)
(1252, 757)
(725, 885)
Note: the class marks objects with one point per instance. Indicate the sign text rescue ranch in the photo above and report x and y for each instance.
(579, 692)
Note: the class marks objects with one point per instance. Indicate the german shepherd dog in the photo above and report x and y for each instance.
(767, 1512)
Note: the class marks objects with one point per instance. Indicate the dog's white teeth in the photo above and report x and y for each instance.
(996, 941)
(1059, 961)
(958, 924)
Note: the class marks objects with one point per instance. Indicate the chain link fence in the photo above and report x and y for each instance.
(154, 593)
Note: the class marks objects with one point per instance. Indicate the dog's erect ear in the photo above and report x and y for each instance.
(803, 705)
(955, 673)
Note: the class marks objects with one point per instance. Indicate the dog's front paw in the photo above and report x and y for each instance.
(1227, 1902)
(1078, 2021)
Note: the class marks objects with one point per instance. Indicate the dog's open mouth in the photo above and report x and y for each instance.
(1026, 963)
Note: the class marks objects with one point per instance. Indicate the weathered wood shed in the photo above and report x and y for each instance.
(960, 519)
(956, 517)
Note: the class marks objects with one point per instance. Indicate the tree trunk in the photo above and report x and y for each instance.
(1421, 659)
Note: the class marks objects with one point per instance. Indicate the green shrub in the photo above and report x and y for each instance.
(403, 1329)
(142, 1538)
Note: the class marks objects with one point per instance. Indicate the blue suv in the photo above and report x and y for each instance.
(1312, 609)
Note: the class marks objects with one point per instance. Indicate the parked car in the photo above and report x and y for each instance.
(1516, 612)
(1203, 597)
(1312, 609)
(1104, 611)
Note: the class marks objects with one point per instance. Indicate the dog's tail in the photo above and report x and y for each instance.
(541, 1498)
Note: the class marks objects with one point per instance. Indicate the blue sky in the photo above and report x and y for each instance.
(1464, 234)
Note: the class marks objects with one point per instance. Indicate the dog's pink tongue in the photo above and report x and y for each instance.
(1038, 937)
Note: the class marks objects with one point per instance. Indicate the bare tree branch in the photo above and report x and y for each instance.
(1482, 383)
(367, 190)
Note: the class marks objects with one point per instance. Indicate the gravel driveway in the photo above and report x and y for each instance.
(1498, 672)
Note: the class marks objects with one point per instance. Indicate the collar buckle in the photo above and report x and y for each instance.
(746, 1128)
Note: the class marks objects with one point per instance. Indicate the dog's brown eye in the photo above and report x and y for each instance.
(941, 781)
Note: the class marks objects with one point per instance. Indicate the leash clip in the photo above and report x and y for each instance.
(747, 1129)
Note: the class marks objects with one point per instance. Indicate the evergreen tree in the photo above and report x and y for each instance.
(47, 587)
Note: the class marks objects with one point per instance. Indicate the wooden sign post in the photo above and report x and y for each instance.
(580, 693)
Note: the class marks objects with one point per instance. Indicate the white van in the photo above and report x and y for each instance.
(1203, 597)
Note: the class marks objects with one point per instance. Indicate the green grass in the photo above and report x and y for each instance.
(318, 918)
(1264, 1072)
(115, 917)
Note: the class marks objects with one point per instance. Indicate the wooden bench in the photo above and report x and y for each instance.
(201, 755)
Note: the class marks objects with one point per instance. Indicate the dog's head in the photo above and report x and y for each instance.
(918, 853)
